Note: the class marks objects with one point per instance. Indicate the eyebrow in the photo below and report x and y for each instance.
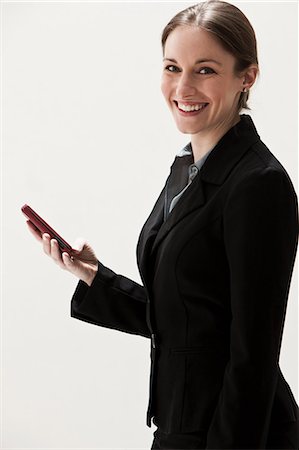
(199, 61)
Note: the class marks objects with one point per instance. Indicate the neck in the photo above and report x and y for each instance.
(204, 142)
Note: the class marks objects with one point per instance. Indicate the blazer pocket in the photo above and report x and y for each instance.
(204, 371)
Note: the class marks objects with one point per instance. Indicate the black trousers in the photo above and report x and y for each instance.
(178, 441)
(285, 437)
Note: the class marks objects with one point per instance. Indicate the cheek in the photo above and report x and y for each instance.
(221, 89)
(165, 87)
(223, 94)
(212, 89)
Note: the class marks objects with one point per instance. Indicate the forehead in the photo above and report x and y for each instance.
(190, 43)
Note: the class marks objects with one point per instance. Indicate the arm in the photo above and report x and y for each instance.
(260, 234)
(101, 296)
(111, 301)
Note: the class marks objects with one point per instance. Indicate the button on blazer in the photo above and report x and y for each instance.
(216, 276)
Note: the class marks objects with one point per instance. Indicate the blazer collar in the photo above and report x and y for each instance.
(219, 163)
(229, 150)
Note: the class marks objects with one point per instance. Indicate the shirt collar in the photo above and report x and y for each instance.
(226, 153)
(199, 163)
(229, 150)
(187, 150)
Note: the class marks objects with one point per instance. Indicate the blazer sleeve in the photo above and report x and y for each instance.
(260, 225)
(112, 301)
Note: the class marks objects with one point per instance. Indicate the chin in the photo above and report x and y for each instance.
(184, 131)
(190, 130)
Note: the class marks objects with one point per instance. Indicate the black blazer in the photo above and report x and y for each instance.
(216, 277)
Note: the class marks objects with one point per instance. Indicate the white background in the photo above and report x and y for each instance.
(87, 142)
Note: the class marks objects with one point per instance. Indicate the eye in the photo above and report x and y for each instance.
(206, 71)
(172, 68)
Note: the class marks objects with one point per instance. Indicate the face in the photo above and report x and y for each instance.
(199, 82)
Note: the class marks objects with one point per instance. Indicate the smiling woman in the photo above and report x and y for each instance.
(214, 312)
(210, 82)
(215, 255)
(203, 94)
(229, 26)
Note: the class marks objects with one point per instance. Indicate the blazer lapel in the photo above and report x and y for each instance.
(148, 234)
(192, 199)
(177, 180)
(217, 167)
(229, 150)
(159, 221)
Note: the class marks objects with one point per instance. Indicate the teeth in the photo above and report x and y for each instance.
(188, 108)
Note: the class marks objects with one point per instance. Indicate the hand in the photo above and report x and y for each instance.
(82, 262)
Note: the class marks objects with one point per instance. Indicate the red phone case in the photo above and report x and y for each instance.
(43, 227)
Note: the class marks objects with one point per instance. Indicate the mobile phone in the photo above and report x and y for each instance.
(43, 227)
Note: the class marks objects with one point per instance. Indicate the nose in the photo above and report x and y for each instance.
(185, 86)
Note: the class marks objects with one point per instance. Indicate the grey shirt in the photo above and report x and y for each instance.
(191, 169)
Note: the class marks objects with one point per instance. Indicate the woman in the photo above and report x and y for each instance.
(216, 254)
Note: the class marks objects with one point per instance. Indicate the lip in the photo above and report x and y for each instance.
(190, 113)
(188, 103)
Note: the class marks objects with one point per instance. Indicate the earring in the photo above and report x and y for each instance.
(245, 89)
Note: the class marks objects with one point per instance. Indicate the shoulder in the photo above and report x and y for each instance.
(259, 171)
(261, 189)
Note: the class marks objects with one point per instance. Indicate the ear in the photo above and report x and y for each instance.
(249, 76)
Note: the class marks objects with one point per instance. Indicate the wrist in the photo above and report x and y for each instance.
(91, 276)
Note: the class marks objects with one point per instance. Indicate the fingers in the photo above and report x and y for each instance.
(55, 251)
(68, 261)
(51, 248)
(46, 241)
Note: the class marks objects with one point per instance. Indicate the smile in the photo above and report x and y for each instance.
(187, 108)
